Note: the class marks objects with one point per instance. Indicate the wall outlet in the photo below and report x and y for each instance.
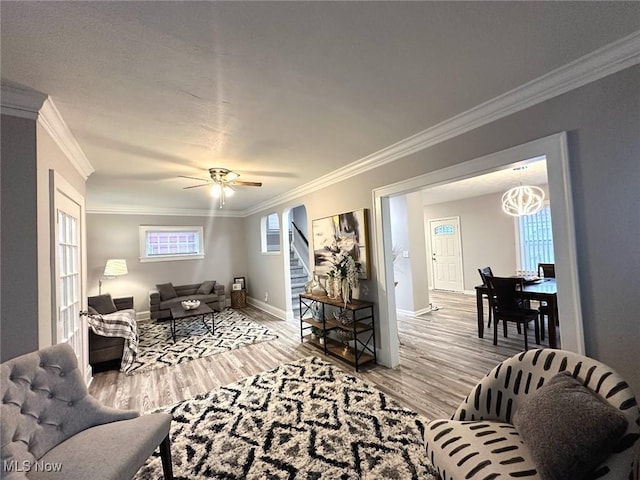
(266, 297)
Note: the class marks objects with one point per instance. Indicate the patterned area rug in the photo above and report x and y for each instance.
(303, 420)
(232, 330)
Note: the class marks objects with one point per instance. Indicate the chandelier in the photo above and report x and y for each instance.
(522, 200)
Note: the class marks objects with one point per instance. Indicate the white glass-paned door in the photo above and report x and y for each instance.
(68, 273)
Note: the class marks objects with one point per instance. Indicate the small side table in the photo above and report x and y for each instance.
(238, 298)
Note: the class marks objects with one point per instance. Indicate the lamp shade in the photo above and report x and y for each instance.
(115, 267)
(522, 200)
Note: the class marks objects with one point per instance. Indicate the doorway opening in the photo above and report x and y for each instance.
(295, 241)
(554, 149)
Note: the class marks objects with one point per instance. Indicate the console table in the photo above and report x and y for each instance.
(360, 323)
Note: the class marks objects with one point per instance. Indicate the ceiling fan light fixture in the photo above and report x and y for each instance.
(231, 176)
(216, 190)
(522, 200)
(221, 184)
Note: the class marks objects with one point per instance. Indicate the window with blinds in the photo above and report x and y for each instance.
(162, 243)
(535, 240)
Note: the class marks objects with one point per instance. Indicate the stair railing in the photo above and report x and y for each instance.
(300, 247)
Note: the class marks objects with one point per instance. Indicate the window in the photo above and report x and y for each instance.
(535, 238)
(444, 230)
(270, 233)
(159, 244)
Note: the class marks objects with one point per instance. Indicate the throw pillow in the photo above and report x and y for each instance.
(103, 304)
(92, 311)
(568, 428)
(206, 287)
(167, 292)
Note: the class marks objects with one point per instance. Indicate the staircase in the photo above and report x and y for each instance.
(298, 279)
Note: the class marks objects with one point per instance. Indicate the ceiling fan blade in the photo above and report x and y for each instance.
(194, 178)
(196, 186)
(246, 184)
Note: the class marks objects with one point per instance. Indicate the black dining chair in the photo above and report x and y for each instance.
(484, 273)
(505, 297)
(546, 270)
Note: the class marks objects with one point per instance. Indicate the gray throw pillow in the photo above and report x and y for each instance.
(568, 428)
(167, 292)
(92, 311)
(103, 304)
(206, 287)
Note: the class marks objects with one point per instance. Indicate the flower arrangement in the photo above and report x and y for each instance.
(345, 271)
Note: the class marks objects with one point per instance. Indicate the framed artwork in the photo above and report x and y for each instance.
(347, 232)
(240, 281)
(237, 286)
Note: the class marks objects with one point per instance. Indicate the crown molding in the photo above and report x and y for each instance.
(598, 64)
(171, 212)
(21, 103)
(40, 107)
(57, 128)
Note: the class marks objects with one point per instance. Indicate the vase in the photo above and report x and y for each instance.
(317, 289)
(333, 287)
(346, 291)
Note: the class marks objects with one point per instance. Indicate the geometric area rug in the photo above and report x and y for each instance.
(157, 350)
(302, 420)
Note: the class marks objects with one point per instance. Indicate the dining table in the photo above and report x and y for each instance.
(541, 290)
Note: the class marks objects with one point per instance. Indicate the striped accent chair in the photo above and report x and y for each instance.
(481, 442)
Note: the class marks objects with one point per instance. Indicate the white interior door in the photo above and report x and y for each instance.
(68, 279)
(446, 256)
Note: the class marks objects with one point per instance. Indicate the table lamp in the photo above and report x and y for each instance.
(115, 267)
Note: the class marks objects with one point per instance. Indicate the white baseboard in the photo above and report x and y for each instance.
(143, 316)
(413, 313)
(276, 312)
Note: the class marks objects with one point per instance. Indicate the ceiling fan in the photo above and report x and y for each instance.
(222, 182)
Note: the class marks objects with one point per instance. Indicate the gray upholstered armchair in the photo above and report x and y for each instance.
(541, 414)
(53, 429)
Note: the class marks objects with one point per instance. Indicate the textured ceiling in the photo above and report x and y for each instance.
(281, 92)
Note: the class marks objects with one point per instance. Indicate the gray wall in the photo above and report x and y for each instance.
(116, 236)
(27, 301)
(19, 237)
(401, 265)
(418, 253)
(602, 120)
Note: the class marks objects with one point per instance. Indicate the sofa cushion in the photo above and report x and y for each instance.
(103, 304)
(569, 428)
(206, 287)
(167, 292)
(478, 449)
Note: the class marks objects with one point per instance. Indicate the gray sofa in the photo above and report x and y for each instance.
(160, 302)
(51, 428)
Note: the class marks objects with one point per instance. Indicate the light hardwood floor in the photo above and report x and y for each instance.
(441, 359)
